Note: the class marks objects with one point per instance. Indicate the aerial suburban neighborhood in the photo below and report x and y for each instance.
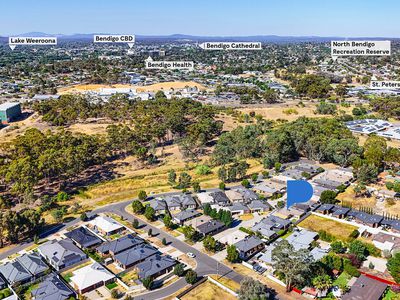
(199, 150)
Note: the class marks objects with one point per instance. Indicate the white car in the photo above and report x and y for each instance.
(190, 254)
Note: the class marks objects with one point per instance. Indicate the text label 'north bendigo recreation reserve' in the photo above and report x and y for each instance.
(231, 46)
(360, 48)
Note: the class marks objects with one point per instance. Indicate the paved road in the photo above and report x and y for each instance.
(205, 264)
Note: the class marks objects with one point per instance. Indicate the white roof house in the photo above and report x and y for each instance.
(93, 275)
(106, 224)
(205, 197)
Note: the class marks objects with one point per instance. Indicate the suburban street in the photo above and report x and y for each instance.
(206, 265)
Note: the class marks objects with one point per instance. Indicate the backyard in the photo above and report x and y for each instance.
(339, 230)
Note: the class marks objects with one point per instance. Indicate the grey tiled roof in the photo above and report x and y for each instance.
(135, 255)
(248, 243)
(154, 265)
(33, 263)
(83, 237)
(14, 272)
(210, 226)
(121, 244)
(258, 204)
(219, 197)
(61, 252)
(186, 214)
(52, 288)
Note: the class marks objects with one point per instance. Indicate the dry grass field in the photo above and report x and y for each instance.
(80, 88)
(348, 197)
(208, 291)
(316, 223)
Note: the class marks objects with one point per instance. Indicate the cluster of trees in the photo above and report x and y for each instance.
(386, 106)
(251, 289)
(313, 86)
(43, 157)
(325, 108)
(325, 140)
(14, 226)
(224, 216)
(376, 157)
(233, 172)
(211, 244)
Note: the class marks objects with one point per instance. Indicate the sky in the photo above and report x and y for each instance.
(345, 18)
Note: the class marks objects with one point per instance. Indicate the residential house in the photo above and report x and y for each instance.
(237, 208)
(3, 284)
(155, 266)
(205, 197)
(83, 237)
(366, 288)
(384, 241)
(220, 198)
(106, 226)
(318, 253)
(288, 213)
(249, 246)
(367, 219)
(265, 190)
(185, 215)
(61, 254)
(270, 226)
(302, 239)
(179, 202)
(33, 263)
(341, 212)
(247, 195)
(91, 277)
(393, 225)
(52, 288)
(211, 227)
(15, 273)
(119, 245)
(134, 255)
(198, 220)
(234, 196)
(258, 206)
(159, 206)
(325, 209)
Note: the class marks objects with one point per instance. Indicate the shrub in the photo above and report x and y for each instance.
(354, 234)
(351, 270)
(325, 236)
(191, 277)
(203, 170)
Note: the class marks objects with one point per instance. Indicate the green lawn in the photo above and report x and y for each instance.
(390, 295)
(111, 285)
(342, 280)
(67, 277)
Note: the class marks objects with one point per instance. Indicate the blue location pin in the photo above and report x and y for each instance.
(298, 191)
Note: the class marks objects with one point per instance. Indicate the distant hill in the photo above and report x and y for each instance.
(194, 38)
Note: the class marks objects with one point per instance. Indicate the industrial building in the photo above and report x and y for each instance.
(9, 111)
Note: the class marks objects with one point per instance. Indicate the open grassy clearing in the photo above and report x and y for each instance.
(208, 291)
(339, 230)
(80, 88)
(152, 180)
(281, 290)
(348, 197)
(229, 283)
